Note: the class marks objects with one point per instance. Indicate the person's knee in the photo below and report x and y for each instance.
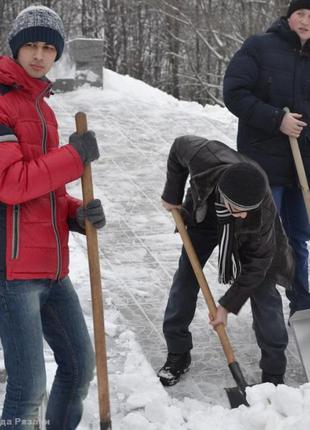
(86, 368)
(90, 366)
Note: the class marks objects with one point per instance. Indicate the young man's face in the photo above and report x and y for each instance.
(299, 22)
(37, 58)
(235, 211)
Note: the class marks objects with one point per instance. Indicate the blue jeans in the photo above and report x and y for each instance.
(31, 310)
(266, 304)
(291, 208)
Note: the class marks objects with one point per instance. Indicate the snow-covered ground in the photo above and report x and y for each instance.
(135, 126)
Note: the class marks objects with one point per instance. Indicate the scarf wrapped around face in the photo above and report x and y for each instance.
(229, 266)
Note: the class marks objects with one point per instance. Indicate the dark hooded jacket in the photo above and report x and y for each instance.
(262, 244)
(270, 71)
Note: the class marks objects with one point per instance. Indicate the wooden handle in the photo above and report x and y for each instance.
(87, 182)
(302, 177)
(303, 181)
(203, 284)
(96, 291)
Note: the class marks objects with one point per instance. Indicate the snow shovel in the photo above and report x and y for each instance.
(236, 395)
(96, 292)
(300, 321)
(300, 171)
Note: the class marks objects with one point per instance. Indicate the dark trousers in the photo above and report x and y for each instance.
(291, 208)
(266, 304)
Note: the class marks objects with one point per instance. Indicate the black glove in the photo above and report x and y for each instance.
(86, 145)
(93, 212)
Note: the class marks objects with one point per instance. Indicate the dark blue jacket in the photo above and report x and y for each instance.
(269, 72)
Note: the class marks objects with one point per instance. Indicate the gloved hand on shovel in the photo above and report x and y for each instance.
(86, 145)
(93, 212)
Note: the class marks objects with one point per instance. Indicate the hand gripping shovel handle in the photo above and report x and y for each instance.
(300, 171)
(203, 284)
(96, 291)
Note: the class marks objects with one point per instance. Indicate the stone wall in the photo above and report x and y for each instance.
(88, 57)
(81, 63)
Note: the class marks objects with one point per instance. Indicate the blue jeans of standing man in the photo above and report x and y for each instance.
(31, 310)
(291, 208)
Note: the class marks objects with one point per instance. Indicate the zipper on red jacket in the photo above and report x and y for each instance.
(52, 194)
(15, 235)
(56, 231)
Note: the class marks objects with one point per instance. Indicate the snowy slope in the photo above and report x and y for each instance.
(135, 126)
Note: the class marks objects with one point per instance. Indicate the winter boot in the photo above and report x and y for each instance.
(274, 379)
(175, 366)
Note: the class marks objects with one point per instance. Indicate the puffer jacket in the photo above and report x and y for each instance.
(262, 245)
(35, 209)
(270, 71)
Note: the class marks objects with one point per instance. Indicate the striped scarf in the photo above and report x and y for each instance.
(228, 262)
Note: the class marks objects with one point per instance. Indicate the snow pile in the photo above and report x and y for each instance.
(127, 87)
(143, 404)
(147, 406)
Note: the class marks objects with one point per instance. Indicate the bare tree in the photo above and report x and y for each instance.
(180, 47)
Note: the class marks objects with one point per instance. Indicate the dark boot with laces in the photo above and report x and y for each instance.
(274, 379)
(175, 366)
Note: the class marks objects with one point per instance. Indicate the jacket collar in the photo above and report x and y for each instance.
(282, 28)
(13, 75)
(202, 186)
(251, 224)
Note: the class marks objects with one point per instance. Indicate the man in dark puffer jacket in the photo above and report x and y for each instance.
(229, 203)
(270, 72)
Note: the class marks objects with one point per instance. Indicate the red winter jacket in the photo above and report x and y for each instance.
(35, 210)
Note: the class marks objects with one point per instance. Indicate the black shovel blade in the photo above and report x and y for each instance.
(106, 425)
(236, 397)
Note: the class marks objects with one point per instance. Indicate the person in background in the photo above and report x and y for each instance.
(229, 204)
(37, 299)
(270, 72)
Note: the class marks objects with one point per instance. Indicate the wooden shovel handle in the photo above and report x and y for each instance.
(203, 284)
(96, 291)
(303, 181)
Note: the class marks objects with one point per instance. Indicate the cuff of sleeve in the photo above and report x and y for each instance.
(170, 197)
(75, 226)
(278, 117)
(233, 300)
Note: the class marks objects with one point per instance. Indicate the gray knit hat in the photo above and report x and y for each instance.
(37, 24)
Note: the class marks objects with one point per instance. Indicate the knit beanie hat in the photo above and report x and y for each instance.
(297, 4)
(37, 24)
(243, 186)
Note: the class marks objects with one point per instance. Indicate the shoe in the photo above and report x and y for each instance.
(175, 366)
(274, 379)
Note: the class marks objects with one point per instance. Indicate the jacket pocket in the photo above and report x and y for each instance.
(15, 232)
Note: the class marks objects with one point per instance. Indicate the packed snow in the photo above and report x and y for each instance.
(138, 400)
(141, 403)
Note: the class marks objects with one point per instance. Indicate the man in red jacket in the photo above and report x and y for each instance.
(37, 299)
